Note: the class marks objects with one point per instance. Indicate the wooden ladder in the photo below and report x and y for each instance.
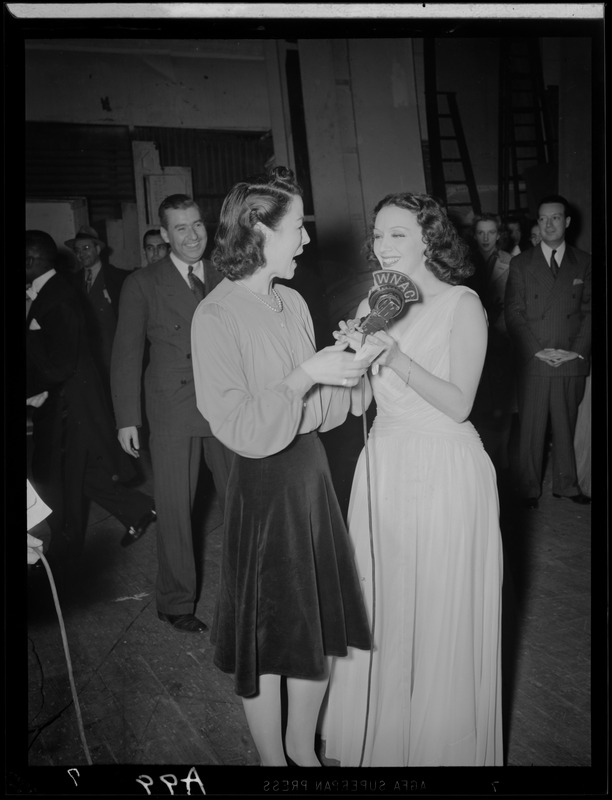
(451, 176)
(459, 182)
(525, 129)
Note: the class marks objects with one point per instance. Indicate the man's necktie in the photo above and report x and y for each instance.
(489, 265)
(554, 267)
(88, 279)
(197, 287)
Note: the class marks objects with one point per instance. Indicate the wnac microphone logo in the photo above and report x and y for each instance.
(397, 280)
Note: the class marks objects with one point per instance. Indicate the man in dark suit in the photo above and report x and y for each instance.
(157, 304)
(548, 314)
(75, 453)
(99, 284)
(495, 403)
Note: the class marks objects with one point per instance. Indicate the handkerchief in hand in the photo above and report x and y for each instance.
(37, 509)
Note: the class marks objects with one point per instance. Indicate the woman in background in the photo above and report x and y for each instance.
(289, 597)
(435, 682)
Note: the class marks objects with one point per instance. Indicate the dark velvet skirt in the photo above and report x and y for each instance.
(289, 594)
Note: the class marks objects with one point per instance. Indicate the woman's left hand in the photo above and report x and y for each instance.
(348, 335)
(389, 347)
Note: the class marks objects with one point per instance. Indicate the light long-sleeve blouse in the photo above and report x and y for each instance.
(242, 353)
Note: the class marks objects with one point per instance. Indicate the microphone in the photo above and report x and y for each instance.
(387, 298)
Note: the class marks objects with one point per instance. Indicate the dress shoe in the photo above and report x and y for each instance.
(581, 499)
(185, 623)
(134, 532)
(531, 502)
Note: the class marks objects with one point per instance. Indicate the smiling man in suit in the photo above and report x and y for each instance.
(548, 314)
(157, 304)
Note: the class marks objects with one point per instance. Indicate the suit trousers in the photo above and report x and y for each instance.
(541, 397)
(176, 463)
(87, 476)
(67, 471)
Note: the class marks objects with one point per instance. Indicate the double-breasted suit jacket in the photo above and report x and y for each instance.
(157, 305)
(542, 311)
(546, 312)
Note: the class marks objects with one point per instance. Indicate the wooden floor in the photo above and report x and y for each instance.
(151, 697)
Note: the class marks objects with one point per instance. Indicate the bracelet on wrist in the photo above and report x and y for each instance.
(409, 371)
(400, 372)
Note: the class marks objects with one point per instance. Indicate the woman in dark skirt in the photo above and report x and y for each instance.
(289, 596)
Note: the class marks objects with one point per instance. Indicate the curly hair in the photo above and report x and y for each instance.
(446, 254)
(239, 245)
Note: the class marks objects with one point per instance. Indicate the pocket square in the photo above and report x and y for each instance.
(577, 281)
(34, 326)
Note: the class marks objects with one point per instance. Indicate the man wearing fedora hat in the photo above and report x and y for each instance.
(100, 283)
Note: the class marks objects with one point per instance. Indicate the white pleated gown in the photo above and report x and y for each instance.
(436, 670)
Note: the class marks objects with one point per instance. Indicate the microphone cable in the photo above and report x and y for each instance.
(372, 559)
(391, 291)
(60, 617)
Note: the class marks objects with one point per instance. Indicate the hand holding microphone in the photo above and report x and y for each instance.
(348, 335)
(334, 366)
(386, 301)
(387, 298)
(384, 345)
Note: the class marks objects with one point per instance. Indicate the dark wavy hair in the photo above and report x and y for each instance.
(176, 202)
(239, 245)
(447, 256)
(556, 198)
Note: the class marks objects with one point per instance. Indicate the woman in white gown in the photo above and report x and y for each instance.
(435, 675)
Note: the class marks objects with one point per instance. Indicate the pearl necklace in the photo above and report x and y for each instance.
(277, 297)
